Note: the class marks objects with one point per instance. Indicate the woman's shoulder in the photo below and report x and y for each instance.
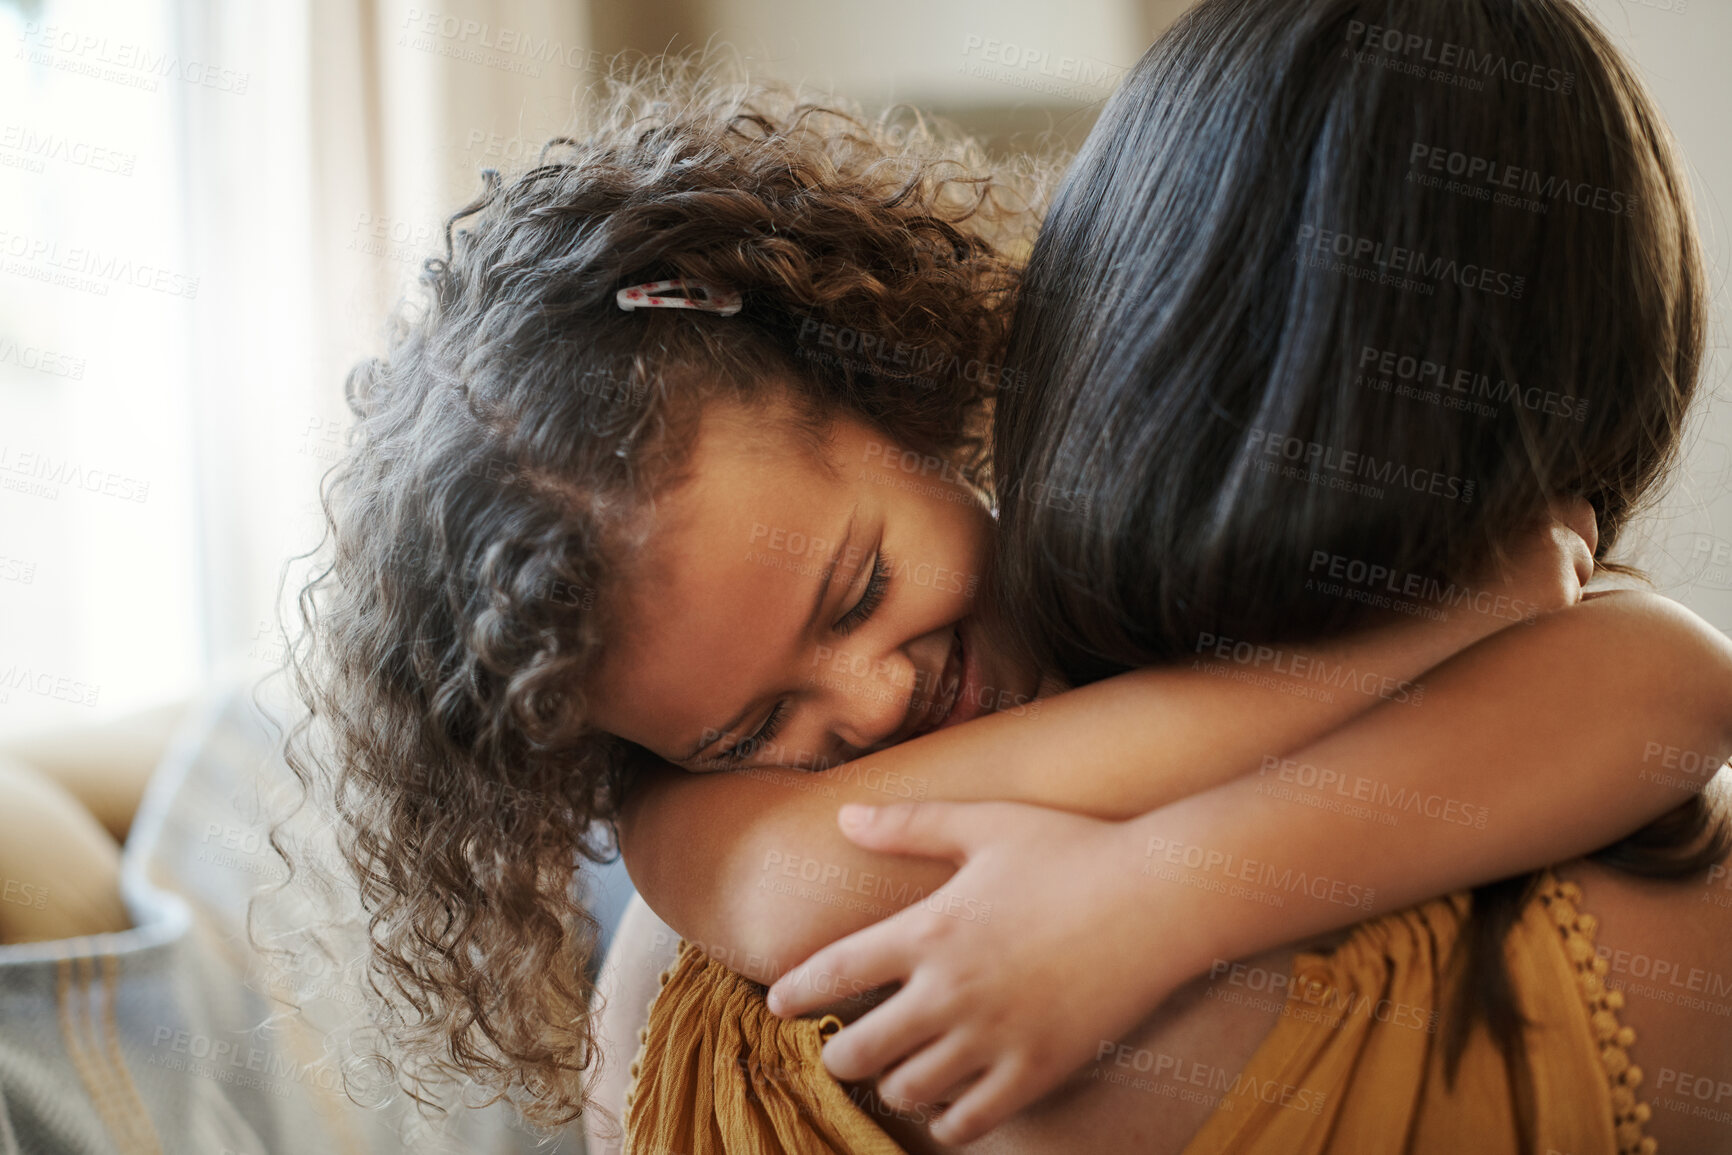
(1666, 945)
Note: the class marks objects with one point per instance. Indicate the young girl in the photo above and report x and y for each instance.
(549, 480)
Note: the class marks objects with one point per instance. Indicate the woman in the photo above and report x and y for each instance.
(1216, 169)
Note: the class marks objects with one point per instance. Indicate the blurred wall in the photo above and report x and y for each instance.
(1683, 48)
(1007, 72)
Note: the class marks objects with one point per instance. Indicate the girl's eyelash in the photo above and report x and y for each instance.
(870, 598)
(876, 586)
(765, 735)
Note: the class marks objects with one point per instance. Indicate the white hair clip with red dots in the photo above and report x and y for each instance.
(692, 295)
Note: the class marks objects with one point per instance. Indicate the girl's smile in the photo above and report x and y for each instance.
(803, 601)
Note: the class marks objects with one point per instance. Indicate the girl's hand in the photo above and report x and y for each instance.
(1035, 953)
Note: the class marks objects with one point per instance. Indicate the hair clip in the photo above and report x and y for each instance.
(697, 295)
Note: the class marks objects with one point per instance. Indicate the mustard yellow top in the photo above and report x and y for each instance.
(719, 1075)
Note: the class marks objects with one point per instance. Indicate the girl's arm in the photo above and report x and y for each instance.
(1554, 719)
(1114, 749)
(1568, 737)
(987, 964)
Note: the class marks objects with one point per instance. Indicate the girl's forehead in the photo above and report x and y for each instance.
(736, 556)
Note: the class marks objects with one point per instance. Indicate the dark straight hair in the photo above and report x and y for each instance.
(1435, 258)
(1251, 246)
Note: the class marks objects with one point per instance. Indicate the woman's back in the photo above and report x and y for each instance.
(1208, 1073)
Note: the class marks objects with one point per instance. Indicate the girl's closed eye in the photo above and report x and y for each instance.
(760, 738)
(870, 599)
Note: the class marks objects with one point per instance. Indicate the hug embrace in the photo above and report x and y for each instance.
(1086, 664)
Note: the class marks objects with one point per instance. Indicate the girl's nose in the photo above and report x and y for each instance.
(870, 702)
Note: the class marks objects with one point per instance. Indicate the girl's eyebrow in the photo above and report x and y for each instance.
(711, 737)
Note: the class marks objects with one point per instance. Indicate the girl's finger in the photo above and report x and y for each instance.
(1000, 1093)
(886, 1034)
(928, 1078)
(948, 830)
(848, 969)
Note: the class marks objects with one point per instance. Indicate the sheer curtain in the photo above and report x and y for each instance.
(206, 210)
(98, 539)
(313, 209)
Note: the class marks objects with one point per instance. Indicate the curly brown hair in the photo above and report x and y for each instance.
(493, 487)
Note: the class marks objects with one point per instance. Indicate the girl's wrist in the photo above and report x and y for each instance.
(1179, 904)
(1227, 876)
